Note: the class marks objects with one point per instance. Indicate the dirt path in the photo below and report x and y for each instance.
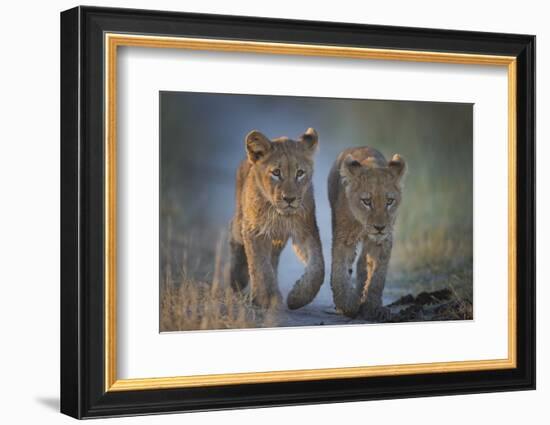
(437, 305)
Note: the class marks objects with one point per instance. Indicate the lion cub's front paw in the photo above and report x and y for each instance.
(350, 309)
(375, 313)
(296, 298)
(303, 292)
(300, 295)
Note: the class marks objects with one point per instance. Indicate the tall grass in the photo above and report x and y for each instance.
(187, 303)
(433, 244)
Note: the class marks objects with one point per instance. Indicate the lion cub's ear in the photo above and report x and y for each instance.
(257, 145)
(397, 166)
(310, 139)
(350, 167)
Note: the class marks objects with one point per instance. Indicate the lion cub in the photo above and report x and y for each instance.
(274, 203)
(364, 193)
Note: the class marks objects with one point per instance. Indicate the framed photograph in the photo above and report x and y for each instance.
(261, 212)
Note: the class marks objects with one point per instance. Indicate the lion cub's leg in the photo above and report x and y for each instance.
(276, 249)
(309, 250)
(361, 271)
(377, 257)
(343, 256)
(238, 266)
(263, 281)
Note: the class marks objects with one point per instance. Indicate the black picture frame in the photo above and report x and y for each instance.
(83, 392)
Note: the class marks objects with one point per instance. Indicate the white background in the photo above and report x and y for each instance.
(146, 71)
(29, 225)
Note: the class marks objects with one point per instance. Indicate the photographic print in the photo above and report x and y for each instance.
(283, 211)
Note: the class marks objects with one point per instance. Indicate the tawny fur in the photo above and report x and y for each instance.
(270, 210)
(361, 184)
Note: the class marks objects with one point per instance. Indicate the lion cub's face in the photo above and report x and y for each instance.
(282, 168)
(373, 192)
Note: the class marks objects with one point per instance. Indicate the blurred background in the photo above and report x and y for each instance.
(202, 143)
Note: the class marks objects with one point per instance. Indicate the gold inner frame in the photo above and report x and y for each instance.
(113, 41)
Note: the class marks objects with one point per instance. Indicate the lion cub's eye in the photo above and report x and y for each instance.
(367, 202)
(300, 173)
(390, 202)
(276, 172)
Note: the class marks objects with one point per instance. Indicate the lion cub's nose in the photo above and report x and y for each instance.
(288, 199)
(379, 228)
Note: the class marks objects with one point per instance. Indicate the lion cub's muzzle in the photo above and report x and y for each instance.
(378, 233)
(288, 205)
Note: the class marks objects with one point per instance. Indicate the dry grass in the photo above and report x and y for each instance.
(434, 251)
(433, 248)
(187, 303)
(431, 260)
(200, 306)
